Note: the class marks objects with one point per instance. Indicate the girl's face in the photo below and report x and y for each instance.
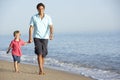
(18, 35)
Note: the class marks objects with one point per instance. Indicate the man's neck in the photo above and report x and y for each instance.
(41, 15)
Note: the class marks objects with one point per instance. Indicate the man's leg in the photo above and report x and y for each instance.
(40, 64)
(43, 61)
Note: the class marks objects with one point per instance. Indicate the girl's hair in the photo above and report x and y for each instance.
(16, 32)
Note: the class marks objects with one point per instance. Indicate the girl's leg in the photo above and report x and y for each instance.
(16, 66)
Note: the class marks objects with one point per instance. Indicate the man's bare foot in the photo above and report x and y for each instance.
(17, 71)
(41, 73)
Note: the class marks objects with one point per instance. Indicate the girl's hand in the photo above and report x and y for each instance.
(8, 51)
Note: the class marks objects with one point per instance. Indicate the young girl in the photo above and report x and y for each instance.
(15, 45)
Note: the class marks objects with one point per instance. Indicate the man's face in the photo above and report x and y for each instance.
(41, 9)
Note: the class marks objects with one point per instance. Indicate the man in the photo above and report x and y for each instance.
(42, 29)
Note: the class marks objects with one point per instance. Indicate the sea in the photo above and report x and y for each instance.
(95, 55)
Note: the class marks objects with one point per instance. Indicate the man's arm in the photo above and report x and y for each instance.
(30, 34)
(51, 32)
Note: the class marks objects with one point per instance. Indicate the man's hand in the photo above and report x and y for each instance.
(51, 36)
(30, 41)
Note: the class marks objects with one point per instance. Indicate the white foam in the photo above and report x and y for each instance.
(29, 59)
(94, 73)
(5, 56)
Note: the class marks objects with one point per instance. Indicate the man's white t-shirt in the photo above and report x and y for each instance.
(41, 26)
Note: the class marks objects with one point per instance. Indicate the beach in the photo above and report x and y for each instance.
(96, 56)
(30, 72)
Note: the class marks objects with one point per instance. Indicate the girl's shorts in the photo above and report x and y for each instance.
(16, 58)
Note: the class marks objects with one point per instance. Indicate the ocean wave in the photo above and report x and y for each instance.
(67, 66)
(90, 72)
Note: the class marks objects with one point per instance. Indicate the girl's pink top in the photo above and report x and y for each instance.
(16, 47)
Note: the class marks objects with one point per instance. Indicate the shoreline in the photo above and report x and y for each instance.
(30, 72)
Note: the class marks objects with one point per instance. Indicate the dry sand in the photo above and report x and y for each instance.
(30, 72)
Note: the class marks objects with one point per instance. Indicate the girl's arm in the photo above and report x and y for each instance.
(26, 43)
(8, 50)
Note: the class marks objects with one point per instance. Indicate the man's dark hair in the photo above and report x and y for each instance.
(40, 4)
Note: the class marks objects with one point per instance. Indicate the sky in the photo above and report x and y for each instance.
(68, 16)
